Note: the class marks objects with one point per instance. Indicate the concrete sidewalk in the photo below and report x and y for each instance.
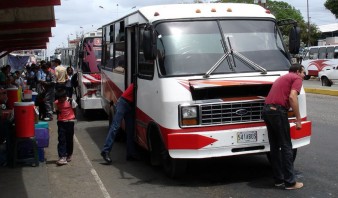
(314, 85)
(49, 180)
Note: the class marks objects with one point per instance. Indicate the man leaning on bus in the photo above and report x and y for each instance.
(124, 107)
(283, 95)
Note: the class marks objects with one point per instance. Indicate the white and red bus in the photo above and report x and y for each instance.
(201, 74)
(320, 58)
(88, 91)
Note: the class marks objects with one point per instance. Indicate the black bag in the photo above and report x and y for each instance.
(73, 81)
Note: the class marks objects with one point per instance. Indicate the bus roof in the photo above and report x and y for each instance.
(198, 10)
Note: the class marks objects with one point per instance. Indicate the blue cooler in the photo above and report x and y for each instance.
(41, 125)
(42, 137)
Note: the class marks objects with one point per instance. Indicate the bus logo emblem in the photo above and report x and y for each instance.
(241, 112)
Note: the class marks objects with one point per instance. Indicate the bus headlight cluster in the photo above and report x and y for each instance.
(189, 115)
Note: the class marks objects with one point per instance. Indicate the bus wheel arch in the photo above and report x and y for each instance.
(159, 154)
(155, 144)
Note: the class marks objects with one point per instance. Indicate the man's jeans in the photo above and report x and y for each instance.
(123, 110)
(276, 120)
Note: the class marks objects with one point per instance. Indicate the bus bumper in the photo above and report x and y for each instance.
(210, 144)
(91, 103)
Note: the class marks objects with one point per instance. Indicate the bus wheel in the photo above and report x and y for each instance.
(326, 81)
(307, 77)
(294, 153)
(173, 168)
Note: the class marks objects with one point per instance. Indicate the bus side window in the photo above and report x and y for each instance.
(322, 53)
(335, 56)
(330, 52)
(313, 53)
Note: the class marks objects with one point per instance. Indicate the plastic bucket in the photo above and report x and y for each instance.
(27, 95)
(13, 96)
(24, 119)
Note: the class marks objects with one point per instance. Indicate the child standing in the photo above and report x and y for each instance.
(65, 109)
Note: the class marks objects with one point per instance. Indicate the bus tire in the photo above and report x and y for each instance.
(326, 81)
(173, 168)
(307, 77)
(154, 146)
(294, 153)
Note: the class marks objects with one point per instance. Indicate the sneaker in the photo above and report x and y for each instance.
(69, 158)
(106, 157)
(297, 185)
(61, 161)
(279, 184)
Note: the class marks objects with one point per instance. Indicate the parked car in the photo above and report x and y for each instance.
(329, 76)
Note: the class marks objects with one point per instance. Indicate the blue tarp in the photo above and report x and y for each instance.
(17, 63)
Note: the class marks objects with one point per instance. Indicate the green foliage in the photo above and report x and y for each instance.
(282, 10)
(332, 5)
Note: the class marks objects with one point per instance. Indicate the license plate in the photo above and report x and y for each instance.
(247, 136)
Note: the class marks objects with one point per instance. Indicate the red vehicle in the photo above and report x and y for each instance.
(88, 91)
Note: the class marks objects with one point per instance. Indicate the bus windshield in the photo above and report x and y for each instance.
(193, 47)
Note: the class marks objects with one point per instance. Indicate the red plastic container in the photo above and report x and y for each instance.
(24, 119)
(13, 96)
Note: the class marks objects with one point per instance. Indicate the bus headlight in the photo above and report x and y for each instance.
(189, 115)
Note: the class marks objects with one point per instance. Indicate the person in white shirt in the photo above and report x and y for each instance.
(60, 74)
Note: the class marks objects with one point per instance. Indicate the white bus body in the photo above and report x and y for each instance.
(88, 91)
(196, 98)
(320, 58)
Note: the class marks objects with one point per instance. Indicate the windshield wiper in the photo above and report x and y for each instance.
(249, 63)
(217, 64)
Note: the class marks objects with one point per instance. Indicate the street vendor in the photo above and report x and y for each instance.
(4, 126)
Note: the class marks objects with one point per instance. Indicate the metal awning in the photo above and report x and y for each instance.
(26, 24)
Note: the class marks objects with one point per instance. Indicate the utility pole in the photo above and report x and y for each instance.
(308, 23)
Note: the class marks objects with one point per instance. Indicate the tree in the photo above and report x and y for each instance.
(282, 10)
(332, 5)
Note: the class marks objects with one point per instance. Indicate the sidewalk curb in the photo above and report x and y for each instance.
(321, 91)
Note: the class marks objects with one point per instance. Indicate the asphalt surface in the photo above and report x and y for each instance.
(79, 178)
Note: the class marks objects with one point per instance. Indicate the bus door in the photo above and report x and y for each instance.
(131, 55)
(131, 59)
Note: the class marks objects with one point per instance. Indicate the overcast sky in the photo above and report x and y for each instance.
(74, 17)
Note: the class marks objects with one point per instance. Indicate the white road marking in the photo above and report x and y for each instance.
(93, 171)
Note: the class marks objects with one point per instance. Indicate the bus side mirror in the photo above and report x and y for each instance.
(294, 40)
(149, 44)
(81, 54)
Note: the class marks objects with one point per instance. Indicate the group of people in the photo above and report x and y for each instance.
(46, 79)
(10, 80)
(52, 82)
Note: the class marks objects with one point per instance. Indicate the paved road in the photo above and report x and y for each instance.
(242, 176)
